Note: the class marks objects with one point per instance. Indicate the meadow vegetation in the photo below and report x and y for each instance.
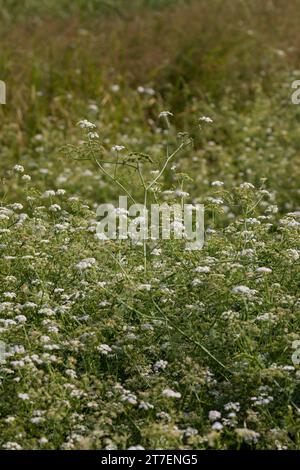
(198, 350)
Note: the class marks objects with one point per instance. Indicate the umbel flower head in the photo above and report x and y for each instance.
(165, 114)
(85, 124)
(206, 119)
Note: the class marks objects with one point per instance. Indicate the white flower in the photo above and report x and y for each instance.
(243, 290)
(115, 88)
(202, 269)
(217, 426)
(248, 252)
(59, 227)
(23, 396)
(136, 448)
(247, 186)
(293, 254)
(48, 193)
(273, 209)
(93, 107)
(144, 405)
(294, 214)
(215, 200)
(61, 192)
(16, 206)
(37, 420)
(22, 218)
(120, 211)
(189, 432)
(206, 119)
(52, 328)
(71, 373)
(268, 316)
(43, 440)
(252, 221)
(247, 435)
(146, 90)
(101, 236)
(169, 393)
(85, 124)
(263, 270)
(21, 318)
(93, 135)
(46, 311)
(196, 282)
(86, 264)
(10, 419)
(149, 91)
(55, 208)
(232, 406)
(12, 446)
(17, 364)
(144, 287)
(177, 225)
(18, 169)
(165, 114)
(160, 365)
(129, 397)
(45, 339)
(180, 193)
(26, 178)
(117, 148)
(214, 415)
(104, 349)
(290, 223)
(9, 295)
(217, 183)
(147, 327)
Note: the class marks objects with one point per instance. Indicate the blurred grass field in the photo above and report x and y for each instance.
(196, 352)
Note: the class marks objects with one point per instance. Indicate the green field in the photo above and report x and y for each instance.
(121, 345)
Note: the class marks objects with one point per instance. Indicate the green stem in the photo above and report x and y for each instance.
(165, 165)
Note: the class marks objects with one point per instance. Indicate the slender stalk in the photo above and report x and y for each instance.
(145, 208)
(115, 180)
(165, 166)
(108, 174)
(115, 172)
(197, 343)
